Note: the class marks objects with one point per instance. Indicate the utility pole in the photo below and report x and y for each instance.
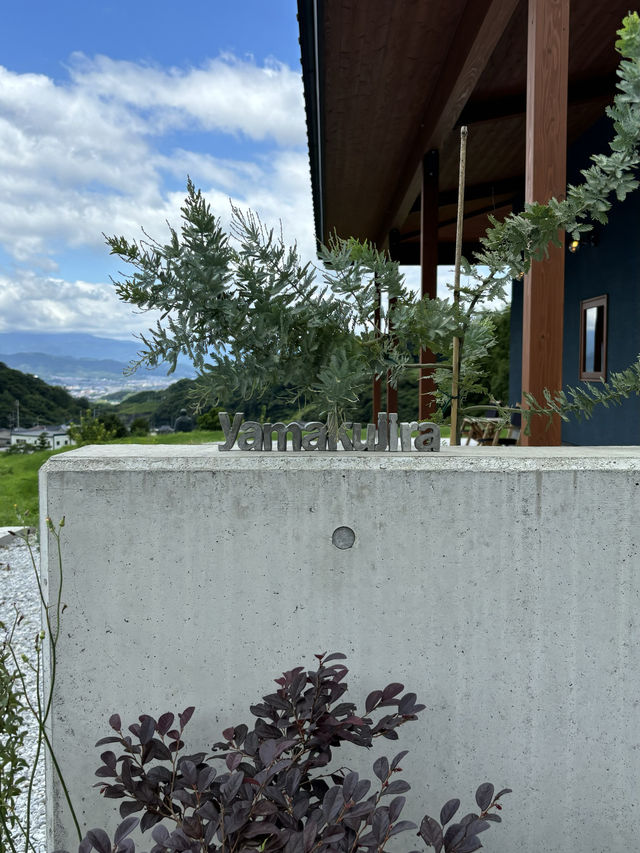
(17, 414)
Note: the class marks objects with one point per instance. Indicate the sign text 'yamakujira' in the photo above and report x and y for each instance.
(387, 435)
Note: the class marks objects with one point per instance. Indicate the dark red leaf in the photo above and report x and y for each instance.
(397, 787)
(164, 723)
(402, 826)
(381, 768)
(129, 807)
(149, 819)
(398, 758)
(233, 759)
(186, 715)
(230, 788)
(100, 840)
(259, 827)
(431, 833)
(448, 810)
(406, 704)
(395, 807)
(126, 828)
(372, 700)
(147, 728)
(392, 690)
(484, 795)
(469, 845)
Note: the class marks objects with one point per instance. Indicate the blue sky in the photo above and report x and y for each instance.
(105, 107)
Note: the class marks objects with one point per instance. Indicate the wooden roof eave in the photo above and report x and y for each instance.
(480, 30)
(309, 16)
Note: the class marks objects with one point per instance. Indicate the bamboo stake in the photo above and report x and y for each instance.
(455, 378)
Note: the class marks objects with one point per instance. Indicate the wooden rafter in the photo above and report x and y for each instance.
(478, 33)
(596, 90)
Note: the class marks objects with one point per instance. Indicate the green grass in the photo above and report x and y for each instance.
(198, 436)
(19, 486)
(19, 473)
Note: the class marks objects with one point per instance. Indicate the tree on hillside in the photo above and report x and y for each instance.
(139, 426)
(39, 403)
(90, 430)
(113, 424)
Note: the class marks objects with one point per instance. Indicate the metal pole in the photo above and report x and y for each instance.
(455, 377)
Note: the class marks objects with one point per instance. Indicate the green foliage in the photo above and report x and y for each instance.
(43, 441)
(13, 767)
(494, 367)
(112, 424)
(209, 420)
(139, 426)
(580, 401)
(256, 321)
(39, 403)
(15, 670)
(160, 408)
(509, 247)
(20, 448)
(91, 430)
(19, 484)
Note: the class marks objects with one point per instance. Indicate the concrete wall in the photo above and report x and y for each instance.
(501, 585)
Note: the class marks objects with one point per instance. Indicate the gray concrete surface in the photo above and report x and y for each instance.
(502, 585)
(9, 535)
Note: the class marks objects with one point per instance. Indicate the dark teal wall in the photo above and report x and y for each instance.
(613, 268)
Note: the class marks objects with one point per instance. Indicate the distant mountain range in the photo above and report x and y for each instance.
(75, 344)
(65, 358)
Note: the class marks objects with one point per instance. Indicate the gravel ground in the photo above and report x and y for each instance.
(18, 586)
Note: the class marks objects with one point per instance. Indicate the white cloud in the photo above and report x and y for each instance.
(53, 304)
(81, 158)
(84, 157)
(227, 94)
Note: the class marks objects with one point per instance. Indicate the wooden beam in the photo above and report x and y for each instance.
(488, 190)
(408, 254)
(596, 90)
(428, 271)
(481, 27)
(546, 157)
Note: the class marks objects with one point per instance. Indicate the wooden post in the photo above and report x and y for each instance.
(546, 155)
(428, 270)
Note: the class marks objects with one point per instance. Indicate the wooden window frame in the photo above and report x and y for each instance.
(585, 304)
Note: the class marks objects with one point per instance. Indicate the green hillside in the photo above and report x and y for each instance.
(163, 407)
(39, 403)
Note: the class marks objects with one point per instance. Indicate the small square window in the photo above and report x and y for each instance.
(593, 338)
